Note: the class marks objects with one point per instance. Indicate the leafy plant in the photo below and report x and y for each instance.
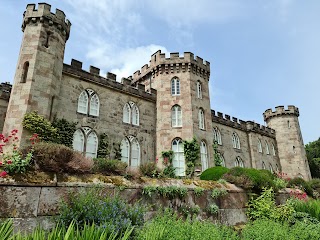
(191, 151)
(216, 154)
(169, 172)
(172, 192)
(149, 190)
(213, 209)
(167, 157)
(218, 192)
(92, 206)
(6, 229)
(189, 210)
(312, 207)
(279, 183)
(149, 169)
(109, 166)
(65, 131)
(214, 173)
(198, 191)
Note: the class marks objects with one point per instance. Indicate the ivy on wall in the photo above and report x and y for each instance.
(216, 156)
(192, 154)
(103, 148)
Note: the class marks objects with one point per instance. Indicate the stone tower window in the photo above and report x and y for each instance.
(199, 90)
(201, 119)
(294, 149)
(273, 149)
(204, 155)
(217, 136)
(178, 157)
(259, 146)
(130, 151)
(25, 72)
(264, 166)
(289, 126)
(86, 141)
(89, 103)
(176, 116)
(238, 162)
(235, 141)
(131, 113)
(175, 86)
(267, 148)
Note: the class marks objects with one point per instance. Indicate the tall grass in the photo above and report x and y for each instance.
(89, 232)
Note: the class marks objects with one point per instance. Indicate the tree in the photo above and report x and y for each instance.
(313, 156)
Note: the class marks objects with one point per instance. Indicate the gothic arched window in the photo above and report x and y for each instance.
(178, 157)
(175, 86)
(130, 151)
(204, 155)
(235, 141)
(85, 140)
(131, 114)
(89, 103)
(201, 119)
(176, 116)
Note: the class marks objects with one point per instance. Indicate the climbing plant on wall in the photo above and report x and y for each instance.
(216, 155)
(103, 148)
(191, 154)
(65, 131)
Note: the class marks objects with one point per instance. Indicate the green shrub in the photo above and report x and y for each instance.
(214, 173)
(279, 183)
(6, 229)
(92, 206)
(149, 169)
(212, 209)
(65, 131)
(302, 217)
(172, 192)
(168, 226)
(264, 207)
(250, 178)
(198, 191)
(315, 183)
(302, 184)
(52, 157)
(311, 207)
(218, 192)
(169, 172)
(109, 166)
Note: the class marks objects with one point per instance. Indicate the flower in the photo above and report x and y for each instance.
(14, 131)
(9, 162)
(3, 174)
(1, 136)
(1, 163)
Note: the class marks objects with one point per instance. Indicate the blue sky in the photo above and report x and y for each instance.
(262, 53)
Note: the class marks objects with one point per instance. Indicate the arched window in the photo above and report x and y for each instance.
(135, 115)
(126, 113)
(178, 157)
(176, 116)
(25, 72)
(270, 168)
(217, 136)
(238, 162)
(267, 148)
(235, 141)
(86, 141)
(125, 149)
(130, 151)
(88, 103)
(199, 90)
(201, 119)
(223, 162)
(273, 149)
(204, 155)
(259, 146)
(131, 113)
(175, 86)
(264, 166)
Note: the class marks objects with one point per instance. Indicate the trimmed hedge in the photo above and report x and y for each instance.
(214, 173)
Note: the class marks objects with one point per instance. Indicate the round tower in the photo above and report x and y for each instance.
(291, 149)
(39, 70)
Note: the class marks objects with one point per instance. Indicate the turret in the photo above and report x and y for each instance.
(39, 70)
(291, 149)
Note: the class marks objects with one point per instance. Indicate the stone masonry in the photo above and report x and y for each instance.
(44, 83)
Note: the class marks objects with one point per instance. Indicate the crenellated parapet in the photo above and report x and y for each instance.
(280, 110)
(159, 64)
(247, 126)
(5, 90)
(44, 15)
(93, 75)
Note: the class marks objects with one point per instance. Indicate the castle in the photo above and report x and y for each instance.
(165, 102)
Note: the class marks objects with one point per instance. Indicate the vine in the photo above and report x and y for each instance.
(169, 170)
(191, 153)
(103, 148)
(216, 154)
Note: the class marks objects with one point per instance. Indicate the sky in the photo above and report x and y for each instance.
(262, 53)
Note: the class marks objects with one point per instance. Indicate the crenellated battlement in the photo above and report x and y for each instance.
(280, 110)
(160, 64)
(247, 126)
(44, 15)
(93, 75)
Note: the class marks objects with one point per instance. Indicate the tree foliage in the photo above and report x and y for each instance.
(313, 155)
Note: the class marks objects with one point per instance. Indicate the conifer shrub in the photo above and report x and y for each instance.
(214, 173)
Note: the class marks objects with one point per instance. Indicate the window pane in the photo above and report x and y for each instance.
(83, 103)
(135, 115)
(78, 141)
(126, 113)
(94, 105)
(125, 151)
(178, 157)
(92, 145)
(135, 153)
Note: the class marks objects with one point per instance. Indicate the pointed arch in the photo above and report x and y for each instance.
(264, 166)
(259, 146)
(175, 86)
(91, 145)
(223, 162)
(271, 168)
(267, 148)
(126, 113)
(83, 101)
(135, 115)
(235, 141)
(78, 140)
(94, 105)
(204, 155)
(238, 162)
(135, 153)
(217, 136)
(201, 119)
(178, 161)
(85, 141)
(125, 149)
